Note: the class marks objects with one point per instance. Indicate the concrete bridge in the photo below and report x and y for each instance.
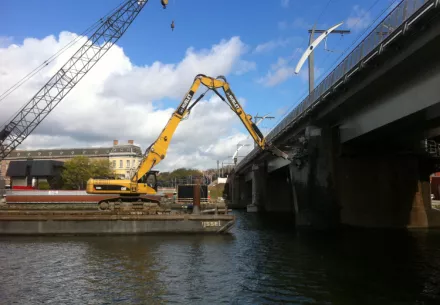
(365, 140)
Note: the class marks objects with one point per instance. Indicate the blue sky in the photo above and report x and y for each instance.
(200, 24)
(274, 33)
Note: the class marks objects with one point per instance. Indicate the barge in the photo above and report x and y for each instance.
(77, 213)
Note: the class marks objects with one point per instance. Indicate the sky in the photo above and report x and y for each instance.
(133, 90)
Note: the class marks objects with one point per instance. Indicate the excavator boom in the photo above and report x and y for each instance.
(144, 179)
(157, 151)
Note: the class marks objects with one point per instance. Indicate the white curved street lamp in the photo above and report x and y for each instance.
(308, 54)
(313, 46)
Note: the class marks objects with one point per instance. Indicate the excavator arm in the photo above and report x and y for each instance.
(157, 151)
(138, 184)
(251, 127)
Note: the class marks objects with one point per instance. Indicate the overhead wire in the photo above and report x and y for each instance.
(331, 67)
(323, 10)
(353, 26)
(293, 57)
(56, 55)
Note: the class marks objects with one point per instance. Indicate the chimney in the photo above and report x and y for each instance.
(131, 142)
(115, 142)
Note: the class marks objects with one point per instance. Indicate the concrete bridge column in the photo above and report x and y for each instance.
(238, 192)
(259, 179)
(279, 191)
(312, 183)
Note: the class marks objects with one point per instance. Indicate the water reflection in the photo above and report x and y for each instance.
(264, 261)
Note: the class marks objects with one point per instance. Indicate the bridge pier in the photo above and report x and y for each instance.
(259, 182)
(312, 184)
(238, 192)
(386, 191)
(279, 192)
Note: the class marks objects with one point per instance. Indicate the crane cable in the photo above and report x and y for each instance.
(173, 14)
(56, 55)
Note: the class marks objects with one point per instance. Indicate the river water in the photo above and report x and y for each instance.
(263, 261)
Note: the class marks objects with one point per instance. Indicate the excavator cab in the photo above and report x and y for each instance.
(150, 179)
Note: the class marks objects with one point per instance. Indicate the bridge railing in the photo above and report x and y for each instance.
(363, 52)
(384, 29)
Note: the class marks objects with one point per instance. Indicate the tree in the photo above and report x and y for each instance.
(80, 169)
(101, 168)
(180, 175)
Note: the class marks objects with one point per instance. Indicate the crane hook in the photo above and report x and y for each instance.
(164, 3)
(172, 25)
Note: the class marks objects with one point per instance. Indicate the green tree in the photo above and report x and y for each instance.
(168, 178)
(80, 169)
(101, 168)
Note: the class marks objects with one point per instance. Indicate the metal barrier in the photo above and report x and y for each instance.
(386, 31)
(191, 200)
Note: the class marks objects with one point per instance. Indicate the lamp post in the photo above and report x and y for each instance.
(308, 54)
(239, 146)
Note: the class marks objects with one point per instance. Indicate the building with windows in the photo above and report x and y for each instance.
(124, 158)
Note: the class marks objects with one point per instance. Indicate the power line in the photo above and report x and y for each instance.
(323, 10)
(359, 36)
(304, 95)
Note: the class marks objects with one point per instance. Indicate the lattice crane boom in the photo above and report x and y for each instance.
(49, 96)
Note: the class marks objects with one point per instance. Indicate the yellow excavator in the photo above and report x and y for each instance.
(144, 182)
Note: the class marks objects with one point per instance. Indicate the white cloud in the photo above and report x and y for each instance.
(285, 3)
(281, 70)
(244, 66)
(5, 41)
(276, 77)
(272, 44)
(118, 100)
(160, 80)
(359, 19)
(284, 68)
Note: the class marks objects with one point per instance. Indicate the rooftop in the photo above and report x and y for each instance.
(89, 151)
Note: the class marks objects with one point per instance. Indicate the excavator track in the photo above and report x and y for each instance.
(129, 203)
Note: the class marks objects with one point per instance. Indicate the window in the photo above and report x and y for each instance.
(120, 163)
(114, 163)
(128, 163)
